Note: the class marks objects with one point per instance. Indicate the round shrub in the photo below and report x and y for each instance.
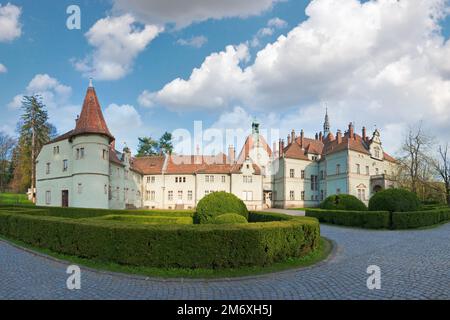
(218, 203)
(343, 202)
(229, 218)
(394, 200)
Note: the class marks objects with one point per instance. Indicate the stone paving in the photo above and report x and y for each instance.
(414, 265)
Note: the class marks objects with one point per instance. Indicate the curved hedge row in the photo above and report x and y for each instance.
(186, 246)
(381, 219)
(363, 219)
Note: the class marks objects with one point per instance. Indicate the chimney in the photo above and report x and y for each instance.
(320, 136)
(289, 139)
(231, 154)
(282, 148)
(339, 136)
(351, 131)
(274, 148)
(302, 136)
(364, 133)
(293, 136)
(76, 120)
(317, 136)
(113, 145)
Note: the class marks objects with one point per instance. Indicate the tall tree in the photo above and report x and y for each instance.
(415, 160)
(147, 147)
(34, 131)
(442, 166)
(165, 143)
(7, 145)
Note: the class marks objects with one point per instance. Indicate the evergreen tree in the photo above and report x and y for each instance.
(35, 131)
(147, 147)
(165, 143)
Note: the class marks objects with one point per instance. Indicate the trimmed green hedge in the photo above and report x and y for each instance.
(363, 219)
(186, 246)
(381, 219)
(343, 202)
(217, 203)
(417, 219)
(229, 218)
(394, 200)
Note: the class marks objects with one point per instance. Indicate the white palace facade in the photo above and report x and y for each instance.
(82, 168)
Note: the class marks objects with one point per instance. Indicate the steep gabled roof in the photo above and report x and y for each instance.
(149, 164)
(250, 144)
(91, 118)
(294, 151)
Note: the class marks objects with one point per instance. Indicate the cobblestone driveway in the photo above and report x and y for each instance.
(414, 265)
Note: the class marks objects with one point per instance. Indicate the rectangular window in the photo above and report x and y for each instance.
(211, 178)
(176, 179)
(247, 179)
(65, 164)
(358, 169)
(106, 189)
(321, 195)
(105, 154)
(376, 171)
(47, 169)
(190, 195)
(80, 188)
(223, 179)
(303, 174)
(367, 171)
(322, 175)
(247, 195)
(48, 197)
(303, 195)
(338, 191)
(152, 195)
(291, 173)
(338, 169)
(109, 193)
(170, 195)
(291, 195)
(206, 178)
(180, 195)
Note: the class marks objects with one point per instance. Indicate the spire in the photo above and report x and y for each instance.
(255, 127)
(91, 118)
(90, 83)
(326, 124)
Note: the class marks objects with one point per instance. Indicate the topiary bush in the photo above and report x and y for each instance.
(218, 203)
(394, 200)
(343, 202)
(229, 218)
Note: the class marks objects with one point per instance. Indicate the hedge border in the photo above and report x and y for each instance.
(168, 246)
(381, 219)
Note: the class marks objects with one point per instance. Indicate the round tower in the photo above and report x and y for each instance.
(91, 140)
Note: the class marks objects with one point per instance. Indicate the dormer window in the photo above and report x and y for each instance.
(377, 152)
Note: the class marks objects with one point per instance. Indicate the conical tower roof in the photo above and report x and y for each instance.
(91, 119)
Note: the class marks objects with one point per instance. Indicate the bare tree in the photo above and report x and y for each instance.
(6, 147)
(416, 160)
(442, 166)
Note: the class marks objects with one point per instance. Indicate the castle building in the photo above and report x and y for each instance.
(82, 168)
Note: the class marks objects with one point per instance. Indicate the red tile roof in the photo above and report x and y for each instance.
(148, 165)
(294, 151)
(91, 118)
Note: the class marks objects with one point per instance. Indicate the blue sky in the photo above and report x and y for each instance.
(46, 47)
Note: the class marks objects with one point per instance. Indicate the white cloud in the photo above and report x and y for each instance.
(145, 99)
(126, 125)
(10, 27)
(117, 41)
(185, 12)
(195, 42)
(55, 96)
(272, 25)
(194, 93)
(347, 53)
(3, 69)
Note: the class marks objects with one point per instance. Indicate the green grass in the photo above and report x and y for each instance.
(323, 251)
(14, 198)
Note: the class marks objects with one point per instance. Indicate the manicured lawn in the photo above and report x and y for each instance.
(14, 198)
(318, 255)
